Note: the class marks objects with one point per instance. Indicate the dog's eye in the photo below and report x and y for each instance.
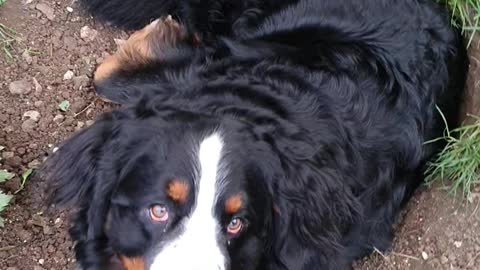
(158, 213)
(235, 226)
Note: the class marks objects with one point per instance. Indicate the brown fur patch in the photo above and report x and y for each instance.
(144, 46)
(178, 190)
(133, 263)
(233, 204)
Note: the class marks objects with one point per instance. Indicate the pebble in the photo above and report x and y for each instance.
(424, 255)
(7, 155)
(68, 75)
(58, 118)
(46, 10)
(34, 164)
(38, 87)
(443, 259)
(41, 261)
(457, 244)
(20, 87)
(69, 9)
(26, 56)
(80, 125)
(29, 125)
(89, 123)
(34, 115)
(88, 34)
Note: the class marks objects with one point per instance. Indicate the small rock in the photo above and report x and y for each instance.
(38, 103)
(46, 10)
(21, 87)
(68, 75)
(41, 261)
(457, 244)
(29, 125)
(424, 255)
(47, 230)
(444, 259)
(88, 34)
(21, 151)
(7, 155)
(26, 56)
(38, 87)
(69, 9)
(80, 125)
(8, 129)
(89, 123)
(34, 164)
(80, 81)
(58, 118)
(34, 115)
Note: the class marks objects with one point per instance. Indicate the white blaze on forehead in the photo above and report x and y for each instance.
(196, 248)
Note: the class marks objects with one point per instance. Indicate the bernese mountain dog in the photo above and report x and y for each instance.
(258, 134)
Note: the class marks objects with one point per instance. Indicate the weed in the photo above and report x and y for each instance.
(459, 161)
(7, 37)
(466, 15)
(4, 198)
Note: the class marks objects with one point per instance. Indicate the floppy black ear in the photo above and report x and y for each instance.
(314, 209)
(71, 170)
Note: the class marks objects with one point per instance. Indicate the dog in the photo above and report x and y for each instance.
(258, 135)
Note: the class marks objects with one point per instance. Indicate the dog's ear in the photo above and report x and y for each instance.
(71, 171)
(313, 209)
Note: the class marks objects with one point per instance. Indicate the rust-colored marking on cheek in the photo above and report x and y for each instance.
(233, 204)
(178, 190)
(133, 263)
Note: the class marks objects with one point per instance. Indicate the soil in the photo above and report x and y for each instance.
(53, 61)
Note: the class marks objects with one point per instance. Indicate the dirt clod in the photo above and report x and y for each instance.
(46, 10)
(20, 87)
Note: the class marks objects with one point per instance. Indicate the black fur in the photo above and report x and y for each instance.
(326, 105)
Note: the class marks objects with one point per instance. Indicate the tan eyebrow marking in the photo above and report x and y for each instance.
(233, 204)
(178, 190)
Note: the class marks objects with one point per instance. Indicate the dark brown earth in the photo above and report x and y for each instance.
(437, 231)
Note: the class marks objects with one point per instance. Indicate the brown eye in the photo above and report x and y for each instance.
(235, 226)
(158, 213)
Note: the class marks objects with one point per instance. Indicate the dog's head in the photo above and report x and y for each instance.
(184, 191)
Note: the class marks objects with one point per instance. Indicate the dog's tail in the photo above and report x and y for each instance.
(131, 14)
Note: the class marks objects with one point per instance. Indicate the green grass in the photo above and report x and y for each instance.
(8, 36)
(2, 2)
(466, 14)
(458, 165)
